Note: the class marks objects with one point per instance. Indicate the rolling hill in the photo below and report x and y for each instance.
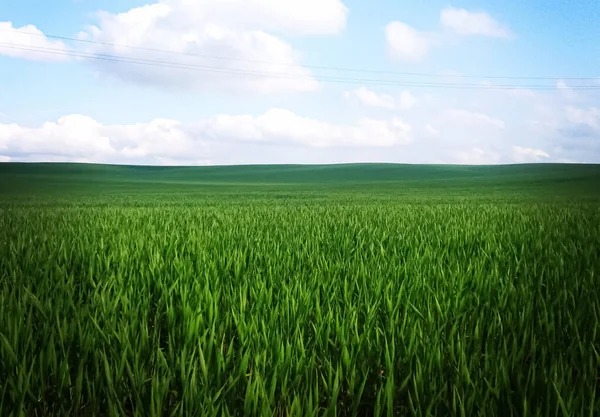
(66, 178)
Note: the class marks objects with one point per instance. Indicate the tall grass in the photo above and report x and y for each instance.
(269, 307)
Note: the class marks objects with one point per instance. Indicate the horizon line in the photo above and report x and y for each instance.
(112, 164)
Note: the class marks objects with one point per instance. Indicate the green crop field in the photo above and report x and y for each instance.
(299, 290)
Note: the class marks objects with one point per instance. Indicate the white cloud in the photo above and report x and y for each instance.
(198, 31)
(474, 118)
(475, 156)
(468, 23)
(407, 100)
(406, 43)
(163, 141)
(522, 93)
(588, 117)
(564, 130)
(284, 126)
(521, 154)
(485, 155)
(28, 42)
(4, 158)
(562, 85)
(442, 134)
(566, 90)
(370, 98)
(431, 130)
(309, 17)
(74, 137)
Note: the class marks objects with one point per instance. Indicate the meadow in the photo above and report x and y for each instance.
(353, 290)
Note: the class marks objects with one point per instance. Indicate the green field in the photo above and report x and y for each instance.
(299, 290)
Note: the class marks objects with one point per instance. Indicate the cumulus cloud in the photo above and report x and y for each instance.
(201, 33)
(520, 92)
(488, 156)
(164, 141)
(568, 131)
(562, 85)
(369, 98)
(76, 136)
(521, 154)
(309, 17)
(588, 117)
(432, 131)
(467, 23)
(467, 117)
(29, 42)
(280, 125)
(475, 156)
(566, 90)
(406, 101)
(406, 43)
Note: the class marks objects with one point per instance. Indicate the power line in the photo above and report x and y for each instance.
(222, 70)
(341, 69)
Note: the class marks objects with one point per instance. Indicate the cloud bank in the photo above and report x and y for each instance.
(230, 45)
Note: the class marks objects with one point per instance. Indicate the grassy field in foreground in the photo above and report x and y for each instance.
(299, 290)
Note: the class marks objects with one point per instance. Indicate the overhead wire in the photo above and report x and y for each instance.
(263, 74)
(321, 67)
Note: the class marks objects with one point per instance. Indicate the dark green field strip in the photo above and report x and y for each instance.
(420, 181)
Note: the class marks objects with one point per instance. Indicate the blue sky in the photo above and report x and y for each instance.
(59, 102)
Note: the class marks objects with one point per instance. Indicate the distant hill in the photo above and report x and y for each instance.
(19, 178)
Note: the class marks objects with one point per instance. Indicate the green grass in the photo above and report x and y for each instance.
(299, 290)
